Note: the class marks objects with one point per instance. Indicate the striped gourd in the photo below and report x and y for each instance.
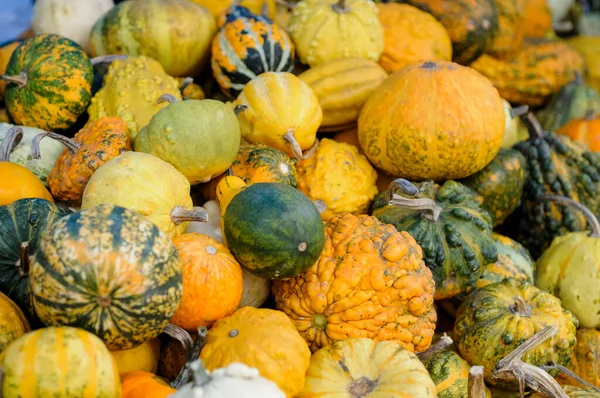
(12, 322)
(61, 362)
(246, 46)
(110, 271)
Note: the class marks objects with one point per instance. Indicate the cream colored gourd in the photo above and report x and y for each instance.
(324, 30)
(514, 131)
(233, 381)
(147, 185)
(72, 19)
(212, 226)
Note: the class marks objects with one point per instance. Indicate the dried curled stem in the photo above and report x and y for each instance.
(170, 98)
(193, 353)
(10, 141)
(590, 217)
(20, 80)
(180, 214)
(296, 148)
(533, 126)
(428, 207)
(71, 145)
(444, 342)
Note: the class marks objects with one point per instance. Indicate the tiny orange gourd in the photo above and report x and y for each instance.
(138, 384)
(586, 131)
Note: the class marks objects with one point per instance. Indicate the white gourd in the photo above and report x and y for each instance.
(212, 227)
(256, 290)
(560, 9)
(233, 381)
(73, 19)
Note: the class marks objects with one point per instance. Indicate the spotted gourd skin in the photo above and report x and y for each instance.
(457, 246)
(260, 163)
(370, 281)
(514, 262)
(555, 166)
(13, 323)
(246, 46)
(61, 362)
(585, 361)
(471, 25)
(575, 392)
(110, 271)
(59, 82)
(489, 325)
(25, 220)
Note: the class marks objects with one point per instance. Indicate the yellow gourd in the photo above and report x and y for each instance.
(147, 185)
(340, 176)
(141, 358)
(131, 90)
(589, 48)
(218, 7)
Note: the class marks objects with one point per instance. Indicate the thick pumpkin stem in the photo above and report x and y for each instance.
(11, 140)
(520, 307)
(361, 388)
(296, 148)
(170, 98)
(107, 59)
(239, 109)
(180, 214)
(340, 7)
(193, 353)
(71, 145)
(533, 126)
(590, 217)
(429, 209)
(569, 373)
(519, 111)
(20, 80)
(476, 384)
(433, 349)
(23, 261)
(535, 378)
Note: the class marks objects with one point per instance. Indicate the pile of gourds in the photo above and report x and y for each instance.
(317, 198)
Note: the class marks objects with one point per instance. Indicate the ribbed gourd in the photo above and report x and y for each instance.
(555, 166)
(247, 45)
(448, 223)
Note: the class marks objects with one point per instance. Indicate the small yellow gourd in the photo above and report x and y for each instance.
(227, 188)
(142, 358)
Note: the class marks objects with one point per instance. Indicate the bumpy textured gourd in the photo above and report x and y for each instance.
(450, 226)
(260, 163)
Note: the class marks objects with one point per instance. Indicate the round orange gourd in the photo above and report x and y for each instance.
(362, 259)
(16, 181)
(140, 384)
(453, 131)
(141, 358)
(212, 281)
(263, 339)
(13, 323)
(411, 35)
(586, 131)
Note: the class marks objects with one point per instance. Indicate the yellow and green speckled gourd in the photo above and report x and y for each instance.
(110, 271)
(59, 362)
(131, 89)
(13, 323)
(49, 82)
(177, 33)
(147, 185)
(585, 361)
(323, 30)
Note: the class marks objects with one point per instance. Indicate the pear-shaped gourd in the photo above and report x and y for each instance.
(570, 268)
(200, 138)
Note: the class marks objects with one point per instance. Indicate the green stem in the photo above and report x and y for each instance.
(71, 145)
(590, 217)
(10, 141)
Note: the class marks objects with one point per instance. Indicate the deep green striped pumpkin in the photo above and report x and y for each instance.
(246, 46)
(50, 82)
(273, 230)
(22, 224)
(110, 271)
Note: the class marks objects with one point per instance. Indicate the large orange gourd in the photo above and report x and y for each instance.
(370, 281)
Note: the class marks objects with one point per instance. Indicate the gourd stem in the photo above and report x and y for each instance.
(590, 217)
(239, 109)
(340, 7)
(107, 59)
(186, 82)
(23, 261)
(320, 205)
(20, 80)
(200, 375)
(579, 78)
(563, 26)
(170, 98)
(512, 366)
(71, 145)
(569, 373)
(296, 148)
(476, 386)
(11, 140)
(519, 111)
(193, 353)
(520, 307)
(433, 349)
(429, 209)
(533, 126)
(180, 214)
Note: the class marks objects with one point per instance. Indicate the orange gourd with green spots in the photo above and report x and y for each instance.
(246, 46)
(49, 82)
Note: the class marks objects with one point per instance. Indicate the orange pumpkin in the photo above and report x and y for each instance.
(451, 132)
(585, 360)
(411, 35)
(91, 147)
(585, 131)
(536, 19)
(212, 281)
(138, 384)
(362, 259)
(16, 181)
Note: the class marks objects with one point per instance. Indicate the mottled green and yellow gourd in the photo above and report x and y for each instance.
(450, 226)
(13, 323)
(260, 163)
